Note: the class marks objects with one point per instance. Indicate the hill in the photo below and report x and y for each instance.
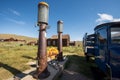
(8, 36)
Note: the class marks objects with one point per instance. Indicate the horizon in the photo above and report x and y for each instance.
(35, 37)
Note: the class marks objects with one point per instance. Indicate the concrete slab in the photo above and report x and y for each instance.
(55, 68)
(28, 77)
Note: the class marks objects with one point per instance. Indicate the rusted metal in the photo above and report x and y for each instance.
(42, 57)
(60, 27)
(42, 71)
(60, 55)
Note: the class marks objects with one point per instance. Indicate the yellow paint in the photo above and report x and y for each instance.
(52, 53)
(43, 3)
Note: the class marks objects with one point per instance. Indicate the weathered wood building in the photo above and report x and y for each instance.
(53, 41)
(75, 43)
(12, 40)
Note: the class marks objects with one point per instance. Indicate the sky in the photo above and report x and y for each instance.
(78, 16)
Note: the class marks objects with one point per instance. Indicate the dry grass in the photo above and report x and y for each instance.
(13, 58)
(73, 50)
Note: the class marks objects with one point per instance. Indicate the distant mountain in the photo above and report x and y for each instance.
(8, 36)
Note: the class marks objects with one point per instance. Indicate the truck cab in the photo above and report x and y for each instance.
(107, 49)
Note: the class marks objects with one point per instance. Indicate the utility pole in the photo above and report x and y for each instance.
(42, 71)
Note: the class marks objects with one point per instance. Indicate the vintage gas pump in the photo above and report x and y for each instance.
(42, 71)
(60, 30)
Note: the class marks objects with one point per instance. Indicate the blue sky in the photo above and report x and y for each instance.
(79, 16)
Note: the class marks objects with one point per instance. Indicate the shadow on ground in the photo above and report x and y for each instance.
(75, 69)
(28, 57)
(78, 64)
(12, 70)
(97, 74)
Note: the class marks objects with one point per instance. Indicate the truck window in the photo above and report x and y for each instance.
(102, 42)
(115, 35)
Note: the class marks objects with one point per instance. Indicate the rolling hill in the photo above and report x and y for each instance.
(7, 36)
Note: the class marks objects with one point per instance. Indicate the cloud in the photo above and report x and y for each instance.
(6, 16)
(106, 18)
(16, 21)
(116, 19)
(14, 12)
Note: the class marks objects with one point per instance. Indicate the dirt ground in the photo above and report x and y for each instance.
(71, 74)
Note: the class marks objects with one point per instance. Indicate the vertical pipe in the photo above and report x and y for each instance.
(42, 71)
(60, 56)
(42, 58)
(60, 30)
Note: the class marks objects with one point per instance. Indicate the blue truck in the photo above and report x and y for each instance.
(104, 46)
(89, 45)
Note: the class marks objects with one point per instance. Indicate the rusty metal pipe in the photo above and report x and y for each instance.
(41, 55)
(60, 55)
(42, 50)
(42, 71)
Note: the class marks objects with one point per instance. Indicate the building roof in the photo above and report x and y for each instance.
(65, 36)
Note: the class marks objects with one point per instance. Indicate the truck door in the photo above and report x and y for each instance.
(102, 47)
(115, 50)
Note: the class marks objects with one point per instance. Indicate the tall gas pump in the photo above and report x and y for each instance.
(60, 31)
(42, 71)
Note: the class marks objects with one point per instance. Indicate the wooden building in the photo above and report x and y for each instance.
(33, 43)
(53, 41)
(75, 43)
(72, 43)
